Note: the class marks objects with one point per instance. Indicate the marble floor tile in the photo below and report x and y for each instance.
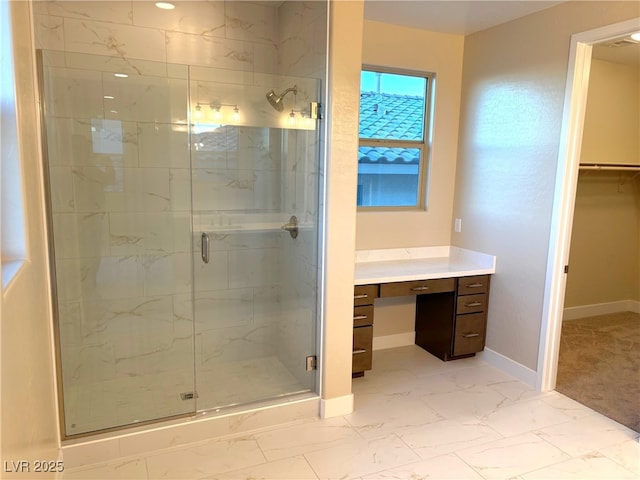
(524, 417)
(293, 468)
(478, 375)
(304, 438)
(448, 421)
(387, 381)
(593, 466)
(512, 456)
(446, 467)
(361, 457)
(135, 469)
(448, 436)
(515, 390)
(626, 454)
(417, 361)
(205, 459)
(584, 435)
(379, 414)
(478, 400)
(570, 407)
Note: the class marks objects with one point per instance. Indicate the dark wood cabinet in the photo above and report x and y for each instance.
(363, 297)
(453, 324)
(451, 316)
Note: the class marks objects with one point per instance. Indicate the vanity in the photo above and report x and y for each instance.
(451, 286)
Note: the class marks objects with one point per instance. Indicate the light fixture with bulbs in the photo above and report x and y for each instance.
(216, 108)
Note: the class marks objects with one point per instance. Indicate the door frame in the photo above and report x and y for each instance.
(575, 100)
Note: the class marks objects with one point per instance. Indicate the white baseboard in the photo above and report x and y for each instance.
(508, 366)
(573, 313)
(392, 341)
(336, 407)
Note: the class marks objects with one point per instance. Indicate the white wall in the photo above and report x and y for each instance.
(605, 238)
(604, 259)
(413, 49)
(409, 48)
(512, 102)
(28, 416)
(345, 53)
(612, 116)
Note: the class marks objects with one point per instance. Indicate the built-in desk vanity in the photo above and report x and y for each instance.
(452, 291)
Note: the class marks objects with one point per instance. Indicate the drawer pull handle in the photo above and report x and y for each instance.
(419, 289)
(473, 304)
(362, 350)
(475, 285)
(205, 247)
(361, 295)
(360, 317)
(470, 335)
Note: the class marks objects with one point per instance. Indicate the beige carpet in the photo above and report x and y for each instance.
(599, 365)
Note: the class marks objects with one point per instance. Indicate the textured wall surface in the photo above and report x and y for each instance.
(512, 105)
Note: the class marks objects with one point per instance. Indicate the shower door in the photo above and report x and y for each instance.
(118, 168)
(255, 281)
(176, 288)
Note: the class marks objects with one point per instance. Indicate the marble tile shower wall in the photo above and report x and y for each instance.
(303, 52)
(118, 163)
(122, 214)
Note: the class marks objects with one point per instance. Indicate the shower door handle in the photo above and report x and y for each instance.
(291, 226)
(205, 247)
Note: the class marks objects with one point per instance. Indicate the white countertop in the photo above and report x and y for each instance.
(423, 263)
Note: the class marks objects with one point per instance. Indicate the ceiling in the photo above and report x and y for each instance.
(627, 53)
(452, 16)
(466, 17)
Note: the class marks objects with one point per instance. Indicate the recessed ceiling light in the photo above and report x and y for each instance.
(120, 75)
(636, 36)
(109, 97)
(165, 5)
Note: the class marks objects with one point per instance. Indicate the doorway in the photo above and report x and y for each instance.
(565, 194)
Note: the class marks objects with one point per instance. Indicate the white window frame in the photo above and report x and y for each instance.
(423, 145)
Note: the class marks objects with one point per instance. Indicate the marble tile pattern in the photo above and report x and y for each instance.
(401, 430)
(127, 186)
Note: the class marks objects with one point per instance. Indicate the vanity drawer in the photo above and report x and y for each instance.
(361, 361)
(469, 334)
(362, 338)
(364, 294)
(362, 351)
(417, 287)
(471, 303)
(363, 316)
(472, 285)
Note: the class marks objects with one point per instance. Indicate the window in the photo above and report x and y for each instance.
(392, 153)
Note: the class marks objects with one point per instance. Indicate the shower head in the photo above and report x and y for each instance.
(276, 100)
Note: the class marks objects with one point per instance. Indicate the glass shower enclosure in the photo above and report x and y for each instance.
(184, 219)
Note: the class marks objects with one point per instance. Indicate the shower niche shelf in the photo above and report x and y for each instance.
(229, 224)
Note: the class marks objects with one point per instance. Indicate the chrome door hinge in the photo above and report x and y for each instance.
(312, 363)
(315, 110)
